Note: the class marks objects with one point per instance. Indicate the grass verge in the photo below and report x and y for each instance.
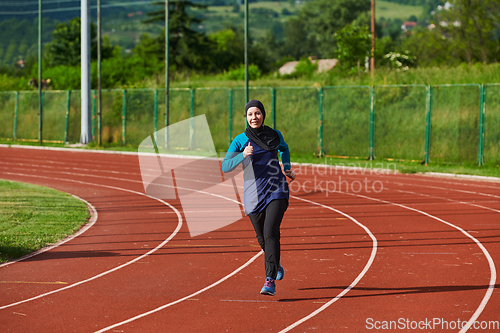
(32, 217)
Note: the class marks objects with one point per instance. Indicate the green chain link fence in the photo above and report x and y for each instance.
(440, 123)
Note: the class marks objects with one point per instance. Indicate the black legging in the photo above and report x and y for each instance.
(267, 229)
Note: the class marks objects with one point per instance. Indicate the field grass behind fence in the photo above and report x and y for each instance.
(7, 114)
(27, 116)
(399, 129)
(455, 123)
(400, 122)
(298, 118)
(492, 124)
(346, 117)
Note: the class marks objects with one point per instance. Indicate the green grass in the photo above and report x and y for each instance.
(391, 10)
(32, 217)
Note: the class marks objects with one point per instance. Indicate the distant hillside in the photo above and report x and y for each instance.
(122, 19)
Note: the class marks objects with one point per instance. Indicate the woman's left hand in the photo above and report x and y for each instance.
(291, 174)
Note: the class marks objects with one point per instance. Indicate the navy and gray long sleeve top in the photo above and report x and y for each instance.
(267, 182)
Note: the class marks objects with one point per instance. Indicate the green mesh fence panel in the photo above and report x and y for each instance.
(297, 118)
(346, 121)
(54, 115)
(140, 115)
(263, 94)
(75, 117)
(492, 124)
(7, 112)
(179, 106)
(455, 122)
(400, 122)
(111, 116)
(27, 116)
(214, 104)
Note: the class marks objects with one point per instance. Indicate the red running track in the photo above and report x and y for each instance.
(384, 252)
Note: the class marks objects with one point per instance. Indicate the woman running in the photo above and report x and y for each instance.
(265, 187)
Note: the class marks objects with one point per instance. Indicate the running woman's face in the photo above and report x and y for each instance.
(255, 117)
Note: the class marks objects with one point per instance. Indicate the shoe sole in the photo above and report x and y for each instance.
(265, 292)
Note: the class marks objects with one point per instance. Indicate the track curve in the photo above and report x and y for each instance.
(421, 268)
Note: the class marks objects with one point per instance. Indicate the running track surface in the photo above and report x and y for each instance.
(409, 249)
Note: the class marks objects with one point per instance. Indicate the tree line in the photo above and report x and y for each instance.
(465, 32)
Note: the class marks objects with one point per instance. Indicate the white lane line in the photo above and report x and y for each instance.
(367, 266)
(493, 272)
(457, 201)
(354, 283)
(184, 298)
(481, 306)
(139, 182)
(179, 225)
(87, 226)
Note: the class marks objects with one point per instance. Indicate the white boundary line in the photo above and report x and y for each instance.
(358, 278)
(345, 291)
(430, 174)
(493, 273)
(87, 226)
(354, 283)
(478, 310)
(184, 298)
(179, 224)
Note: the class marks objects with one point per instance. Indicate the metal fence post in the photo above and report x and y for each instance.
(124, 117)
(40, 117)
(230, 116)
(428, 121)
(273, 106)
(372, 124)
(482, 109)
(93, 113)
(155, 114)
(320, 129)
(191, 122)
(68, 105)
(16, 110)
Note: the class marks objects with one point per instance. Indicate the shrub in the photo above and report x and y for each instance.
(254, 73)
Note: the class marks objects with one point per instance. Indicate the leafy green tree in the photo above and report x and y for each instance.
(65, 49)
(323, 18)
(298, 43)
(353, 46)
(188, 48)
(473, 27)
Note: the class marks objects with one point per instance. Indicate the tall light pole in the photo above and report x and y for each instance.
(86, 135)
(247, 98)
(167, 63)
(40, 100)
(99, 79)
(372, 60)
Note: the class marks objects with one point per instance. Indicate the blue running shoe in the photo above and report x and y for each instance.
(269, 287)
(281, 273)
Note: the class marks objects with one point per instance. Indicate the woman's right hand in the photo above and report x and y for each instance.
(248, 150)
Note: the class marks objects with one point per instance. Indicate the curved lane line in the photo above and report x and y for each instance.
(86, 227)
(363, 272)
(179, 224)
(184, 298)
(354, 283)
(493, 274)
